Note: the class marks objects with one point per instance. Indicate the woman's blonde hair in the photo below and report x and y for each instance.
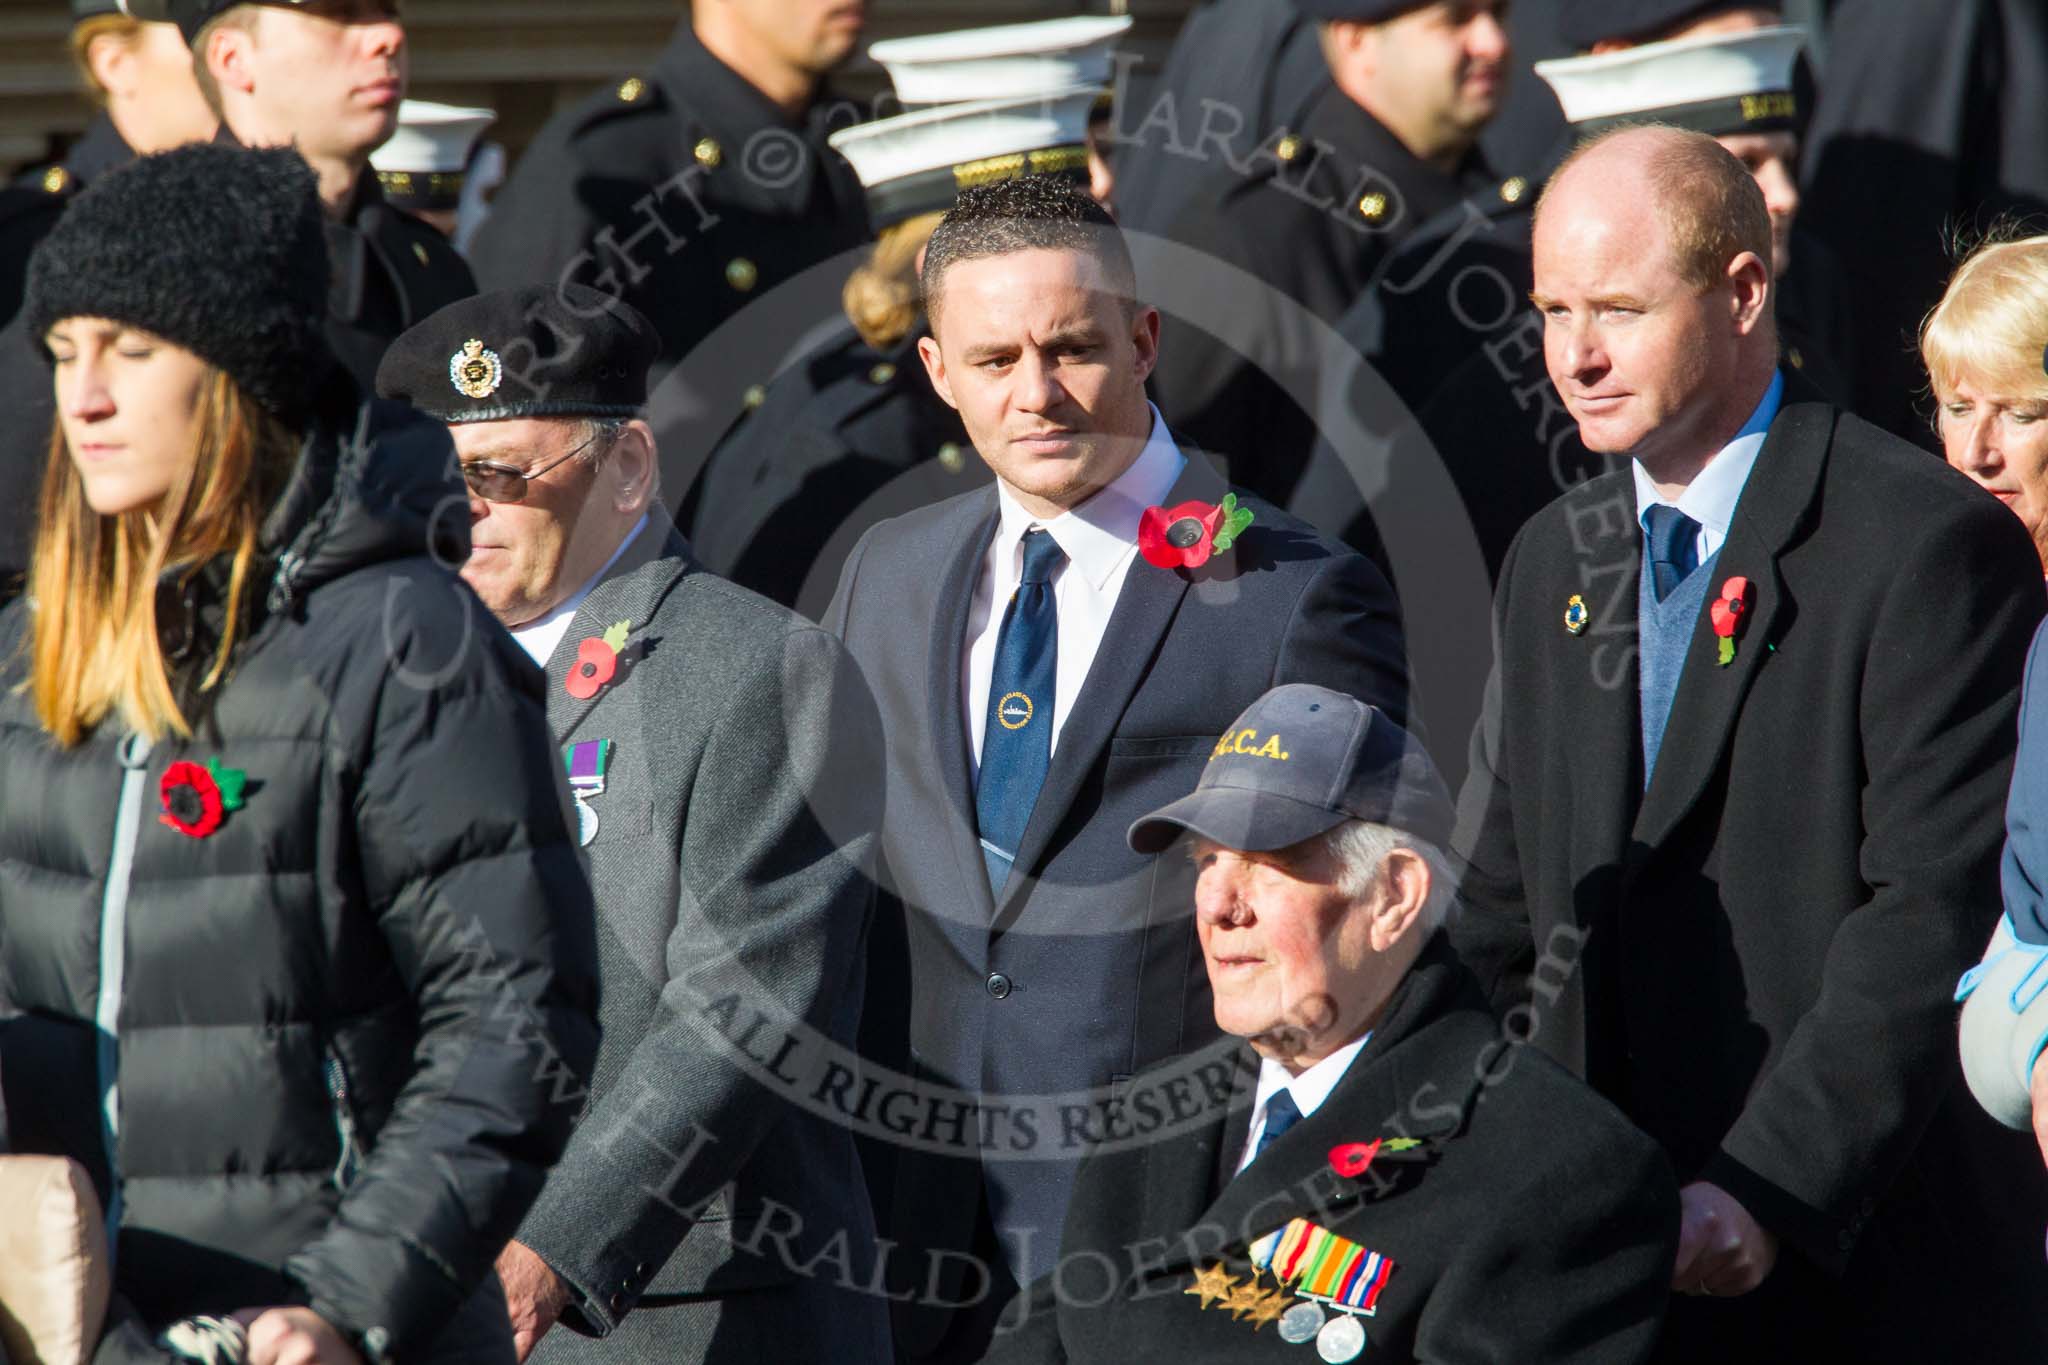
(94, 648)
(1992, 322)
(85, 33)
(881, 297)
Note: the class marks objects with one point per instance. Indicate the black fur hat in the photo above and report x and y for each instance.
(216, 248)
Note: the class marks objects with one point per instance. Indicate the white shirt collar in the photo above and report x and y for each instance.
(1710, 498)
(1101, 532)
(1309, 1089)
(539, 638)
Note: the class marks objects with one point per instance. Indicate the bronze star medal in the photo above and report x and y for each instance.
(1212, 1284)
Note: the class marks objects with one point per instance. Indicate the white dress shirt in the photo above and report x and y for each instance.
(1710, 498)
(539, 638)
(1100, 538)
(1309, 1089)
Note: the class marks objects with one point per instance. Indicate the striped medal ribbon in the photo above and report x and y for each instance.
(1324, 1269)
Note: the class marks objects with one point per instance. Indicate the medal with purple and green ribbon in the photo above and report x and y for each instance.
(586, 761)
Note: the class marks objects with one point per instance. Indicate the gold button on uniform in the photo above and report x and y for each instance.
(882, 373)
(1513, 188)
(631, 89)
(708, 154)
(1288, 148)
(951, 459)
(55, 179)
(1373, 207)
(742, 274)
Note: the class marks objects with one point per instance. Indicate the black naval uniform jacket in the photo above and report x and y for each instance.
(691, 196)
(1532, 1224)
(29, 208)
(846, 437)
(1756, 957)
(1311, 214)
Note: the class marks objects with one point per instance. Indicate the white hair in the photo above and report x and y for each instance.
(1359, 848)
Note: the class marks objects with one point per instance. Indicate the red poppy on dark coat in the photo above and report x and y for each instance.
(191, 800)
(1178, 537)
(1352, 1158)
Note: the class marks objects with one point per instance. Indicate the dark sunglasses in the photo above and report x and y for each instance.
(502, 483)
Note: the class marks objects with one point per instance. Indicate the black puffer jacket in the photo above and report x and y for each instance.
(347, 1028)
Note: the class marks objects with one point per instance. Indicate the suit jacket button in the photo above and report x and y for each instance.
(618, 1303)
(998, 985)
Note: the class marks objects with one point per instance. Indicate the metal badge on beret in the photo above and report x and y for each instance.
(475, 371)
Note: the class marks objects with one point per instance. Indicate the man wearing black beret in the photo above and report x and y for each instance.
(1387, 141)
(721, 751)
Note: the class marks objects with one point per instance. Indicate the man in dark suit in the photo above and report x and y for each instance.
(720, 751)
(1745, 750)
(1388, 1171)
(1042, 683)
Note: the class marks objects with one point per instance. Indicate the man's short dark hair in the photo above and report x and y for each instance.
(1028, 213)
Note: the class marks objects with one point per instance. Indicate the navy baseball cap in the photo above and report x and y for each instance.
(1300, 761)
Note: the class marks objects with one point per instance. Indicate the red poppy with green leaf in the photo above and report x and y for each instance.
(597, 660)
(1185, 536)
(1727, 613)
(195, 800)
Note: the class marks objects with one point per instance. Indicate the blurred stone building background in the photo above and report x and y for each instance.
(523, 58)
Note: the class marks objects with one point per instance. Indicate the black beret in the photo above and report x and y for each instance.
(213, 247)
(540, 351)
(1358, 11)
(189, 15)
(1583, 23)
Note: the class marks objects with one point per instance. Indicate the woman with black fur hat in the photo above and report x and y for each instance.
(308, 1008)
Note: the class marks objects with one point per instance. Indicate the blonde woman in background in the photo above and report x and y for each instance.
(1983, 346)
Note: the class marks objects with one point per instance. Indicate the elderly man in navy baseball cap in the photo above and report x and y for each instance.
(1336, 1177)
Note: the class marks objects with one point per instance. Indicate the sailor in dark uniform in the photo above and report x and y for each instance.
(852, 433)
(1236, 71)
(330, 85)
(1384, 142)
(1446, 328)
(140, 77)
(691, 189)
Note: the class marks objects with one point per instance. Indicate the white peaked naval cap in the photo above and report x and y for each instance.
(919, 162)
(1010, 61)
(1719, 85)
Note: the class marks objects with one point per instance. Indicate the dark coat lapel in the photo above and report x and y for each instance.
(1773, 506)
(1603, 707)
(949, 730)
(630, 591)
(1144, 609)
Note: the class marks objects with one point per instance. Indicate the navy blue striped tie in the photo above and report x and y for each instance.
(1016, 742)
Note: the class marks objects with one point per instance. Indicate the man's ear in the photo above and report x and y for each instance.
(935, 367)
(1400, 895)
(229, 58)
(1749, 279)
(1145, 340)
(633, 468)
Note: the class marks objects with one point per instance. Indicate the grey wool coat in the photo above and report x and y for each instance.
(702, 1211)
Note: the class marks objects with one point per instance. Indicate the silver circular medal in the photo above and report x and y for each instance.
(1301, 1322)
(586, 822)
(1340, 1340)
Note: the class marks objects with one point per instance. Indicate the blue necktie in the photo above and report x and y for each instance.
(1016, 742)
(1282, 1113)
(1674, 547)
